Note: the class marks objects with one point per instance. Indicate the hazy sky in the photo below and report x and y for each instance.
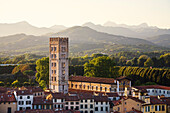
(45, 13)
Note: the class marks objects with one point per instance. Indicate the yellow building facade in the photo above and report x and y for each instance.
(92, 84)
(157, 108)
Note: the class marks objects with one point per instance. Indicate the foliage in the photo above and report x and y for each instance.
(148, 63)
(2, 83)
(42, 75)
(16, 83)
(99, 67)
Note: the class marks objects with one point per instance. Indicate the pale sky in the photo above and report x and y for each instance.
(45, 13)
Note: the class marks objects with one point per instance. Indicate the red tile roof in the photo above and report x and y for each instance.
(84, 96)
(92, 79)
(112, 94)
(101, 99)
(71, 98)
(153, 87)
(58, 95)
(166, 100)
(135, 99)
(7, 97)
(123, 77)
(155, 100)
(41, 101)
(24, 92)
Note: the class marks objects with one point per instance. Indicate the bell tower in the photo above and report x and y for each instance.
(58, 64)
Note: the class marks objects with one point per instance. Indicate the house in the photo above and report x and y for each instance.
(42, 103)
(124, 84)
(155, 105)
(93, 84)
(24, 99)
(86, 103)
(72, 102)
(101, 104)
(155, 90)
(8, 103)
(127, 103)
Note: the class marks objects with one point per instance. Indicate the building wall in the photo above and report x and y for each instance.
(157, 92)
(127, 105)
(57, 103)
(58, 65)
(87, 103)
(92, 86)
(24, 100)
(74, 105)
(102, 105)
(151, 108)
(4, 107)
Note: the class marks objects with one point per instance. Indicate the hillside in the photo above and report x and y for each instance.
(81, 39)
(141, 31)
(162, 40)
(26, 28)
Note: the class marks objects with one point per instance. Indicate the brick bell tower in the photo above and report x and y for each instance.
(58, 64)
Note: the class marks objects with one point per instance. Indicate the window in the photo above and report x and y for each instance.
(152, 107)
(76, 86)
(53, 86)
(101, 103)
(164, 92)
(91, 105)
(51, 48)
(137, 104)
(106, 108)
(163, 108)
(28, 102)
(96, 108)
(54, 64)
(55, 48)
(85, 100)
(77, 108)
(63, 49)
(63, 64)
(9, 110)
(54, 55)
(63, 55)
(66, 107)
(72, 107)
(72, 103)
(79, 86)
(148, 108)
(92, 87)
(86, 106)
(81, 106)
(91, 100)
(100, 88)
(156, 109)
(159, 91)
(54, 71)
(96, 88)
(77, 102)
(88, 87)
(28, 97)
(91, 111)
(105, 88)
(67, 103)
(96, 102)
(101, 108)
(20, 97)
(118, 109)
(20, 108)
(125, 103)
(52, 78)
(51, 55)
(63, 72)
(55, 78)
(152, 90)
(84, 86)
(71, 85)
(110, 89)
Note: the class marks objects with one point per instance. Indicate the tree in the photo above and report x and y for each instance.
(16, 83)
(134, 61)
(29, 73)
(166, 58)
(42, 84)
(141, 60)
(122, 60)
(148, 63)
(42, 70)
(99, 67)
(129, 63)
(2, 83)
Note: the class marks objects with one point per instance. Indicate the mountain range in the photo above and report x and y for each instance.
(88, 38)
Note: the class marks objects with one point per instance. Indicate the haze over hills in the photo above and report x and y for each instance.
(81, 39)
(162, 40)
(141, 31)
(26, 28)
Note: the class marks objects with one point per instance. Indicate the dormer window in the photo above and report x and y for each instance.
(20, 97)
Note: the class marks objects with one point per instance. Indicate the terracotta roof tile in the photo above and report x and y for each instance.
(41, 101)
(123, 77)
(71, 98)
(153, 87)
(7, 97)
(92, 79)
(58, 95)
(24, 92)
(101, 99)
(36, 111)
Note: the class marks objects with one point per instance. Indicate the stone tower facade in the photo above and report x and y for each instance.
(58, 64)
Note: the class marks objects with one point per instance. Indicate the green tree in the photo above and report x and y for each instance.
(148, 63)
(129, 63)
(122, 60)
(42, 84)
(141, 60)
(2, 83)
(16, 83)
(166, 58)
(29, 73)
(42, 67)
(99, 67)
